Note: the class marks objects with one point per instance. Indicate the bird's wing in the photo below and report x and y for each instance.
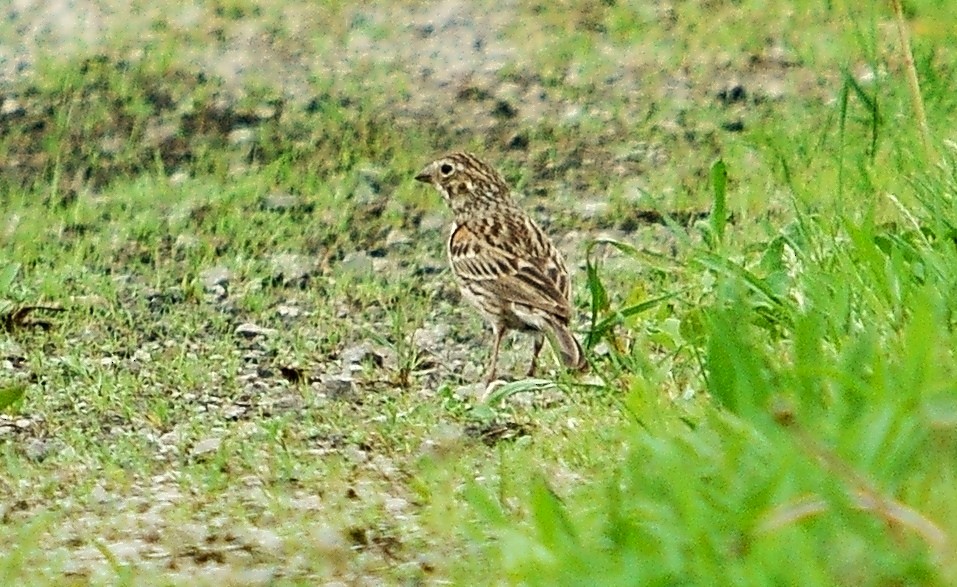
(513, 262)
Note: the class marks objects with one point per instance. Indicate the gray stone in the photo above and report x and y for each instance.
(250, 330)
(206, 446)
(214, 277)
(338, 386)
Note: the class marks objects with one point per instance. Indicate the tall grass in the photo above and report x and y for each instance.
(827, 450)
(829, 455)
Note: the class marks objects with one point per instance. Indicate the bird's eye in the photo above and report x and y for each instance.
(446, 169)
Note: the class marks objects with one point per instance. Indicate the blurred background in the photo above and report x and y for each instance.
(232, 352)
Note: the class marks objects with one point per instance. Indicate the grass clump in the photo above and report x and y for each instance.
(259, 372)
(820, 448)
(829, 443)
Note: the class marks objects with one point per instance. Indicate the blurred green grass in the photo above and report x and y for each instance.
(767, 422)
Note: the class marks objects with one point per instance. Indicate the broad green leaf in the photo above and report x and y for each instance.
(719, 210)
(7, 276)
(511, 388)
(11, 394)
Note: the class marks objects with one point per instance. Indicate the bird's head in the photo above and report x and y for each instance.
(467, 183)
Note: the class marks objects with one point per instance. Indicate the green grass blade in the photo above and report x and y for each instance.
(10, 395)
(719, 212)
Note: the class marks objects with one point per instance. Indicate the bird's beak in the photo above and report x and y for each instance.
(425, 176)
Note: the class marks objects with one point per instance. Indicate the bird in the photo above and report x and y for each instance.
(504, 263)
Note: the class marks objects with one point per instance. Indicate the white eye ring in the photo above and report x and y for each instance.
(446, 169)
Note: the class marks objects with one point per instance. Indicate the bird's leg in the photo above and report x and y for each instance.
(498, 332)
(537, 348)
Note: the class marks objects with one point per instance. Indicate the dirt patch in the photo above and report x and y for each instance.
(454, 71)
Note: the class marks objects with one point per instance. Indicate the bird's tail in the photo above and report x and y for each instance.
(571, 353)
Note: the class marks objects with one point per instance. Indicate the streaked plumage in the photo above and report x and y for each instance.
(505, 265)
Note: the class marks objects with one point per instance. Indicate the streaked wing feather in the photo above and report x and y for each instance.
(503, 272)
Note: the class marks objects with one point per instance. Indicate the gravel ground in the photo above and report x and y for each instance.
(443, 43)
(452, 51)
